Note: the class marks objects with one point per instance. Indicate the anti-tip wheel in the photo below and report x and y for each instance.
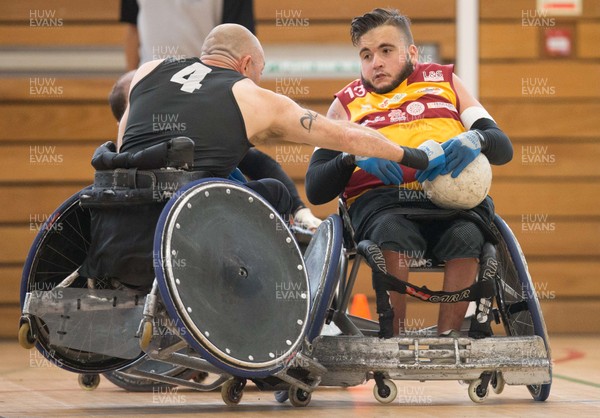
(26, 339)
(298, 397)
(477, 392)
(232, 391)
(146, 337)
(497, 383)
(88, 381)
(387, 393)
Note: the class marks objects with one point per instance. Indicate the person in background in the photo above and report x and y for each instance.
(157, 29)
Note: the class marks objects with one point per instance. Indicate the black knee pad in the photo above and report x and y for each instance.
(463, 239)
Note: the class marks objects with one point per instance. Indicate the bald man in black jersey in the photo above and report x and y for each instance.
(255, 164)
(217, 102)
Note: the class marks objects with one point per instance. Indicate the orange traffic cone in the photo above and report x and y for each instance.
(360, 306)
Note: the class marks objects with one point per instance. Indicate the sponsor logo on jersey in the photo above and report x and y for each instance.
(433, 75)
(415, 108)
(366, 107)
(441, 105)
(430, 90)
(376, 120)
(395, 99)
(397, 115)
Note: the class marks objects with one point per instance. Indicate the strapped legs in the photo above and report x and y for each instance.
(385, 312)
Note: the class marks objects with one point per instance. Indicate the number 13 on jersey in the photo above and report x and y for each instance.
(191, 77)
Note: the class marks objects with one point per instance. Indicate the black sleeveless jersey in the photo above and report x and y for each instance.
(189, 98)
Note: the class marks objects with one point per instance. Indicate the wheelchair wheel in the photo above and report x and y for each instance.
(516, 298)
(245, 306)
(58, 250)
(322, 259)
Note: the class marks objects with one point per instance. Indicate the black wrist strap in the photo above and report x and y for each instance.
(414, 158)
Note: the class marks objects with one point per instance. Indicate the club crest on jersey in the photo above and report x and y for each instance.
(430, 90)
(415, 108)
(433, 75)
(395, 99)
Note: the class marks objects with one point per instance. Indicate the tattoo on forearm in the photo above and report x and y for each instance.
(307, 120)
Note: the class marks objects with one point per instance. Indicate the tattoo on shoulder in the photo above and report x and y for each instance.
(307, 119)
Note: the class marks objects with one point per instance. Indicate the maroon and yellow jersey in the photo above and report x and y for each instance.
(424, 106)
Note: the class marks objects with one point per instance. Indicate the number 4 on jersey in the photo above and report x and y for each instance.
(191, 77)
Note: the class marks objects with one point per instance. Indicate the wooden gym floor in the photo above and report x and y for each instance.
(31, 387)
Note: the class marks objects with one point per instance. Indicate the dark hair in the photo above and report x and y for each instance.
(118, 95)
(379, 17)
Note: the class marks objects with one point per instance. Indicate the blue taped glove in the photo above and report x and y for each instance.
(460, 151)
(236, 175)
(389, 172)
(437, 161)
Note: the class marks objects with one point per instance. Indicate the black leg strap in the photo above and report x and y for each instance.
(385, 311)
(385, 281)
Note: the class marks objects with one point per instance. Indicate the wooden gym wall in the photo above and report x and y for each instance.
(52, 121)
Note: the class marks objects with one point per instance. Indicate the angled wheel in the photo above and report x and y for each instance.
(517, 300)
(298, 397)
(227, 290)
(58, 250)
(322, 258)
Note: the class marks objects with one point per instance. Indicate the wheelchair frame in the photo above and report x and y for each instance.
(434, 358)
(522, 357)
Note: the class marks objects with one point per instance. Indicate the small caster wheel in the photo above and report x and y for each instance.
(147, 332)
(281, 396)
(497, 383)
(26, 339)
(477, 392)
(385, 393)
(232, 391)
(88, 381)
(298, 397)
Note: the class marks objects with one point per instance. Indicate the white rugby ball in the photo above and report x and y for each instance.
(464, 192)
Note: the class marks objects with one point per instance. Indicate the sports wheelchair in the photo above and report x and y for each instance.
(233, 295)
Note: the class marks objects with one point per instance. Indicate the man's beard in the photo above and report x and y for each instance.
(404, 74)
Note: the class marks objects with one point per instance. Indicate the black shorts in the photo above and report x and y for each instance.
(377, 216)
